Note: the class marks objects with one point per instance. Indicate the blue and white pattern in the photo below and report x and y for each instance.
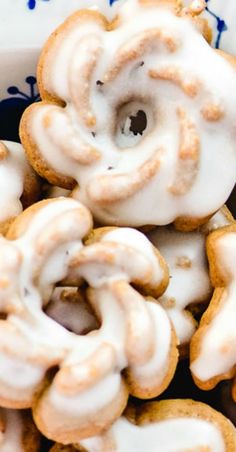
(33, 95)
(11, 108)
(220, 25)
(32, 3)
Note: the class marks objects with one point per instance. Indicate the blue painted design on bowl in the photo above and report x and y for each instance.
(32, 3)
(221, 26)
(11, 108)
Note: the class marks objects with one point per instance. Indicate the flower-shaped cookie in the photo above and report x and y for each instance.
(135, 114)
(213, 347)
(131, 350)
(135, 338)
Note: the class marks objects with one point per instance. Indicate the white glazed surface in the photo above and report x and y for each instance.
(13, 167)
(217, 354)
(187, 434)
(189, 283)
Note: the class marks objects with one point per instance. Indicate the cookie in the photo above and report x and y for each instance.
(169, 425)
(213, 347)
(189, 288)
(149, 71)
(19, 184)
(78, 384)
(189, 277)
(133, 352)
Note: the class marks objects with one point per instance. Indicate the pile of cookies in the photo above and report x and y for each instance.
(117, 253)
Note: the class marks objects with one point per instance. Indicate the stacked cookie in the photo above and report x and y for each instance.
(102, 289)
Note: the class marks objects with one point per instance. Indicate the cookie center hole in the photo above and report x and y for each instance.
(71, 310)
(133, 122)
(136, 124)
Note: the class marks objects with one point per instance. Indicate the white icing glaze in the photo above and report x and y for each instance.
(13, 168)
(176, 87)
(189, 279)
(86, 403)
(217, 353)
(172, 435)
(27, 375)
(159, 363)
(133, 238)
